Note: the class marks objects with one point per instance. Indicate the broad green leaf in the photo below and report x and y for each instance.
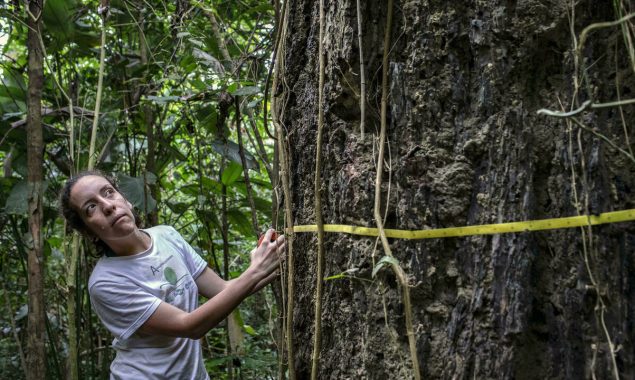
(196, 42)
(254, 103)
(178, 207)
(261, 8)
(211, 185)
(57, 14)
(211, 365)
(231, 151)
(188, 63)
(191, 190)
(208, 60)
(6, 184)
(17, 202)
(22, 312)
(239, 220)
(250, 330)
(231, 173)
(163, 99)
(208, 216)
(245, 91)
(386, 260)
(262, 205)
(135, 191)
(207, 117)
(150, 178)
(13, 86)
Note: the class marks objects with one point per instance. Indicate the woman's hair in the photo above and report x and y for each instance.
(72, 215)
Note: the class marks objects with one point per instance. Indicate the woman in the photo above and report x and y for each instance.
(145, 287)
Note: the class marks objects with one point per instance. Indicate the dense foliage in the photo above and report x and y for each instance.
(181, 113)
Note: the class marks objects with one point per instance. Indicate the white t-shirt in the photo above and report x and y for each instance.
(126, 290)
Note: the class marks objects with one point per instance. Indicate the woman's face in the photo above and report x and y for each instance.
(106, 213)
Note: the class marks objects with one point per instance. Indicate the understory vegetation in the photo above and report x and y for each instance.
(173, 107)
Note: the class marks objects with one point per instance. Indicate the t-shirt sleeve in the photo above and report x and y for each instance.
(194, 262)
(122, 307)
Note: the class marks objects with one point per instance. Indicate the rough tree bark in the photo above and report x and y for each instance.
(466, 147)
(36, 363)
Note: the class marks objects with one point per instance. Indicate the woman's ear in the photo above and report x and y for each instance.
(129, 204)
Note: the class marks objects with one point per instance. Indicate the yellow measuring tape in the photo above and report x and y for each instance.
(484, 229)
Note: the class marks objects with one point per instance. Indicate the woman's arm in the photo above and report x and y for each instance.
(226, 296)
(210, 284)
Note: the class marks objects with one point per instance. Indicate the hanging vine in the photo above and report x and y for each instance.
(397, 269)
(317, 331)
(285, 167)
(582, 205)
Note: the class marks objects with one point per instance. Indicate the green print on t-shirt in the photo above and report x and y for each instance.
(170, 275)
(174, 291)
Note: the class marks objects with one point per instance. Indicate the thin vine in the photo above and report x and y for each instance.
(100, 84)
(317, 331)
(397, 269)
(285, 167)
(587, 232)
(362, 74)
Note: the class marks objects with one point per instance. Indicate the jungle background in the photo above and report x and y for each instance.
(222, 118)
(174, 74)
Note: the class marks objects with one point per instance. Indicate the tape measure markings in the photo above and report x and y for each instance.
(484, 229)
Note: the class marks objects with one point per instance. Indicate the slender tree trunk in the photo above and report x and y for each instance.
(71, 303)
(464, 146)
(152, 217)
(36, 363)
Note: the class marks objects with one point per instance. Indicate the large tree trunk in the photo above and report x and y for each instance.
(36, 363)
(466, 147)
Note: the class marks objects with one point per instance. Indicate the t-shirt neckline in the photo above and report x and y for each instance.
(136, 255)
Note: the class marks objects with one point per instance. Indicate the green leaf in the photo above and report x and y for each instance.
(207, 117)
(22, 312)
(208, 60)
(191, 190)
(17, 202)
(254, 103)
(245, 91)
(262, 205)
(135, 191)
(231, 173)
(250, 330)
(6, 184)
(212, 186)
(261, 8)
(386, 260)
(57, 18)
(213, 364)
(196, 42)
(188, 63)
(231, 151)
(240, 222)
(178, 207)
(163, 99)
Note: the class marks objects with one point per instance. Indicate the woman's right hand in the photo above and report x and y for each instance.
(265, 259)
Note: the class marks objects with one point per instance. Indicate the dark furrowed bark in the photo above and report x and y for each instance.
(465, 147)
